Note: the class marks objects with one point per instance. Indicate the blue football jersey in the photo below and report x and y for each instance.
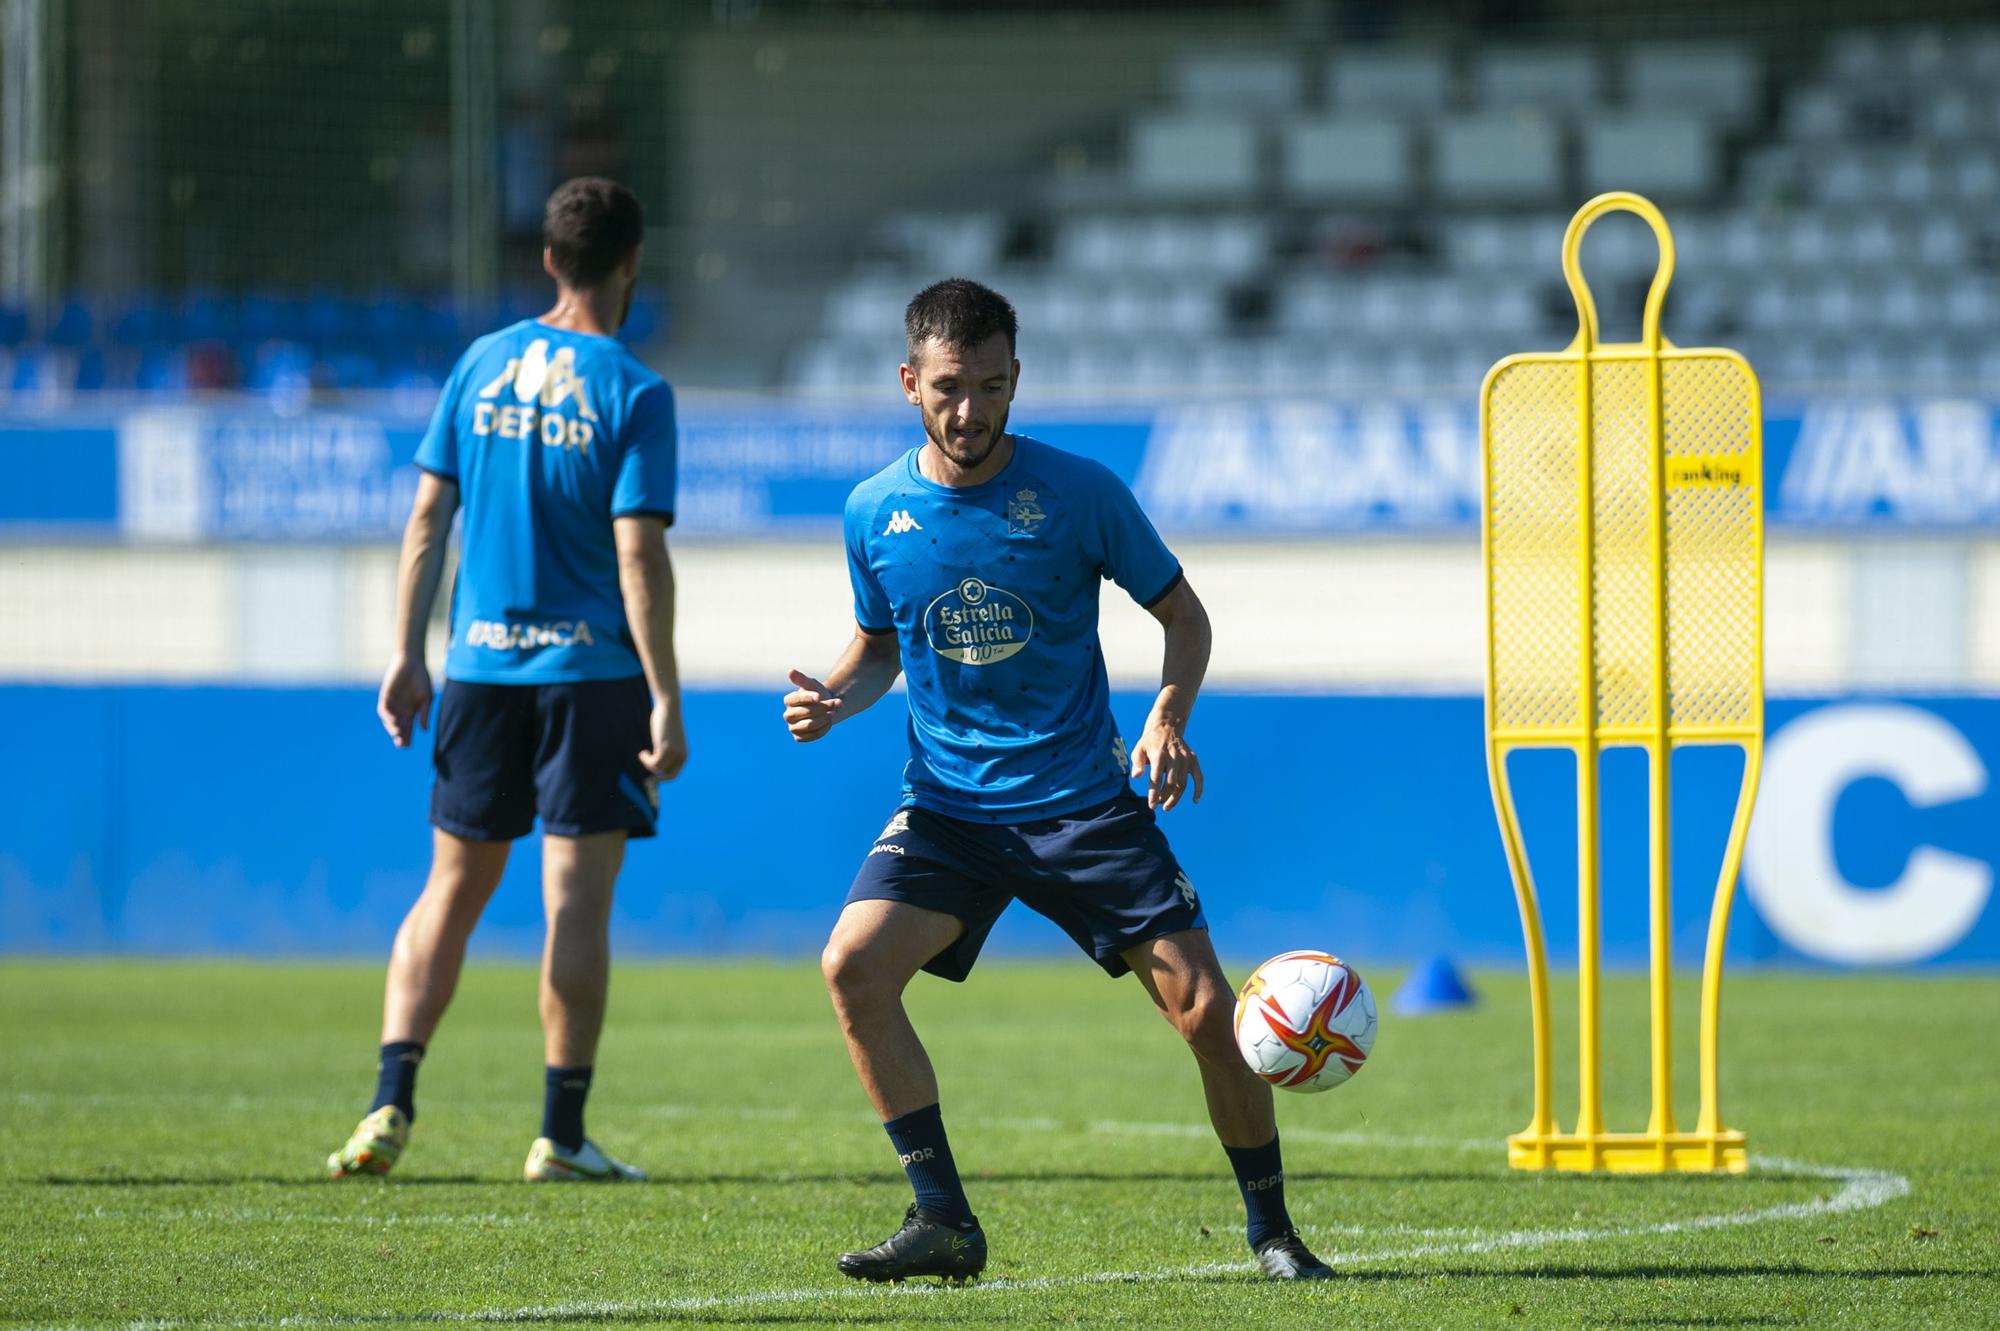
(550, 435)
(992, 592)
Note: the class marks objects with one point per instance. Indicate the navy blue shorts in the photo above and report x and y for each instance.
(569, 752)
(1104, 874)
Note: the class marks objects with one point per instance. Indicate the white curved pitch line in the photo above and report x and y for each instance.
(1861, 1189)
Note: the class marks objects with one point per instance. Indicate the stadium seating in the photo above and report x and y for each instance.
(258, 341)
(1329, 201)
(1834, 217)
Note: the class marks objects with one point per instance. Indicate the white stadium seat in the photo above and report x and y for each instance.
(1975, 178)
(1971, 306)
(1195, 157)
(1662, 155)
(1538, 78)
(1809, 242)
(1815, 112)
(1496, 158)
(1093, 244)
(1238, 81)
(1380, 80)
(1859, 54)
(1720, 81)
(1876, 241)
(1904, 305)
(965, 243)
(868, 306)
(1942, 242)
(1348, 159)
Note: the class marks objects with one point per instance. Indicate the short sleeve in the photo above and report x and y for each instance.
(437, 451)
(646, 470)
(1131, 553)
(871, 603)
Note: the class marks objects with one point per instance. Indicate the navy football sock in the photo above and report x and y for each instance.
(918, 1137)
(396, 1077)
(1260, 1174)
(563, 1094)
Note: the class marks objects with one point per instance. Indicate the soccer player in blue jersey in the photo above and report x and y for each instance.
(976, 561)
(561, 697)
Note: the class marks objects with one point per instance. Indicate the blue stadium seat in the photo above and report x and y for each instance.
(13, 326)
(279, 365)
(71, 326)
(445, 323)
(394, 320)
(350, 371)
(37, 369)
(642, 324)
(89, 374)
(258, 318)
(521, 302)
(162, 370)
(331, 318)
(140, 320)
(203, 316)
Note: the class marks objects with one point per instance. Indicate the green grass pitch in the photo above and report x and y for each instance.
(167, 1123)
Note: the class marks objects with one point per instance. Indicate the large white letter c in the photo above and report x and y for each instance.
(1789, 867)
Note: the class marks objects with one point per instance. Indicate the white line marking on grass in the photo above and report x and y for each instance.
(1860, 1189)
(695, 1303)
(246, 1215)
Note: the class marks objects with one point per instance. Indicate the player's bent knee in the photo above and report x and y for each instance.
(844, 970)
(857, 977)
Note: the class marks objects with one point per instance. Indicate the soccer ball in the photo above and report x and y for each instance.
(1305, 1021)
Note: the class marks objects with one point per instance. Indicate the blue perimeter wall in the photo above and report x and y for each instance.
(251, 821)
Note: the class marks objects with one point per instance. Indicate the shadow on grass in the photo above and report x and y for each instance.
(256, 1180)
(1192, 1176)
(1745, 1319)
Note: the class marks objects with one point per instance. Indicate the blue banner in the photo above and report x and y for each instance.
(1281, 466)
(296, 829)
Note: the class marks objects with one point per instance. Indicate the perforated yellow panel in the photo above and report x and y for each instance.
(1621, 444)
(1533, 503)
(1714, 512)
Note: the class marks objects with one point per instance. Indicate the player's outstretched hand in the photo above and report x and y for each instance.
(405, 701)
(810, 708)
(1163, 753)
(670, 743)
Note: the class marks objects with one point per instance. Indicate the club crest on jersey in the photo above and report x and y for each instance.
(976, 623)
(1023, 512)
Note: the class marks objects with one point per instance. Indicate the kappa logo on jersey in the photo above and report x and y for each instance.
(1119, 757)
(977, 624)
(900, 521)
(1023, 512)
(541, 384)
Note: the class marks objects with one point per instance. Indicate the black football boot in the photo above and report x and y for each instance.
(922, 1247)
(1286, 1257)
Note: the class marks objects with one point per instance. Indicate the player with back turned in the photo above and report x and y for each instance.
(976, 561)
(561, 697)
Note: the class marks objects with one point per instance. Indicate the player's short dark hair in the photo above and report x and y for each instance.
(958, 312)
(591, 225)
